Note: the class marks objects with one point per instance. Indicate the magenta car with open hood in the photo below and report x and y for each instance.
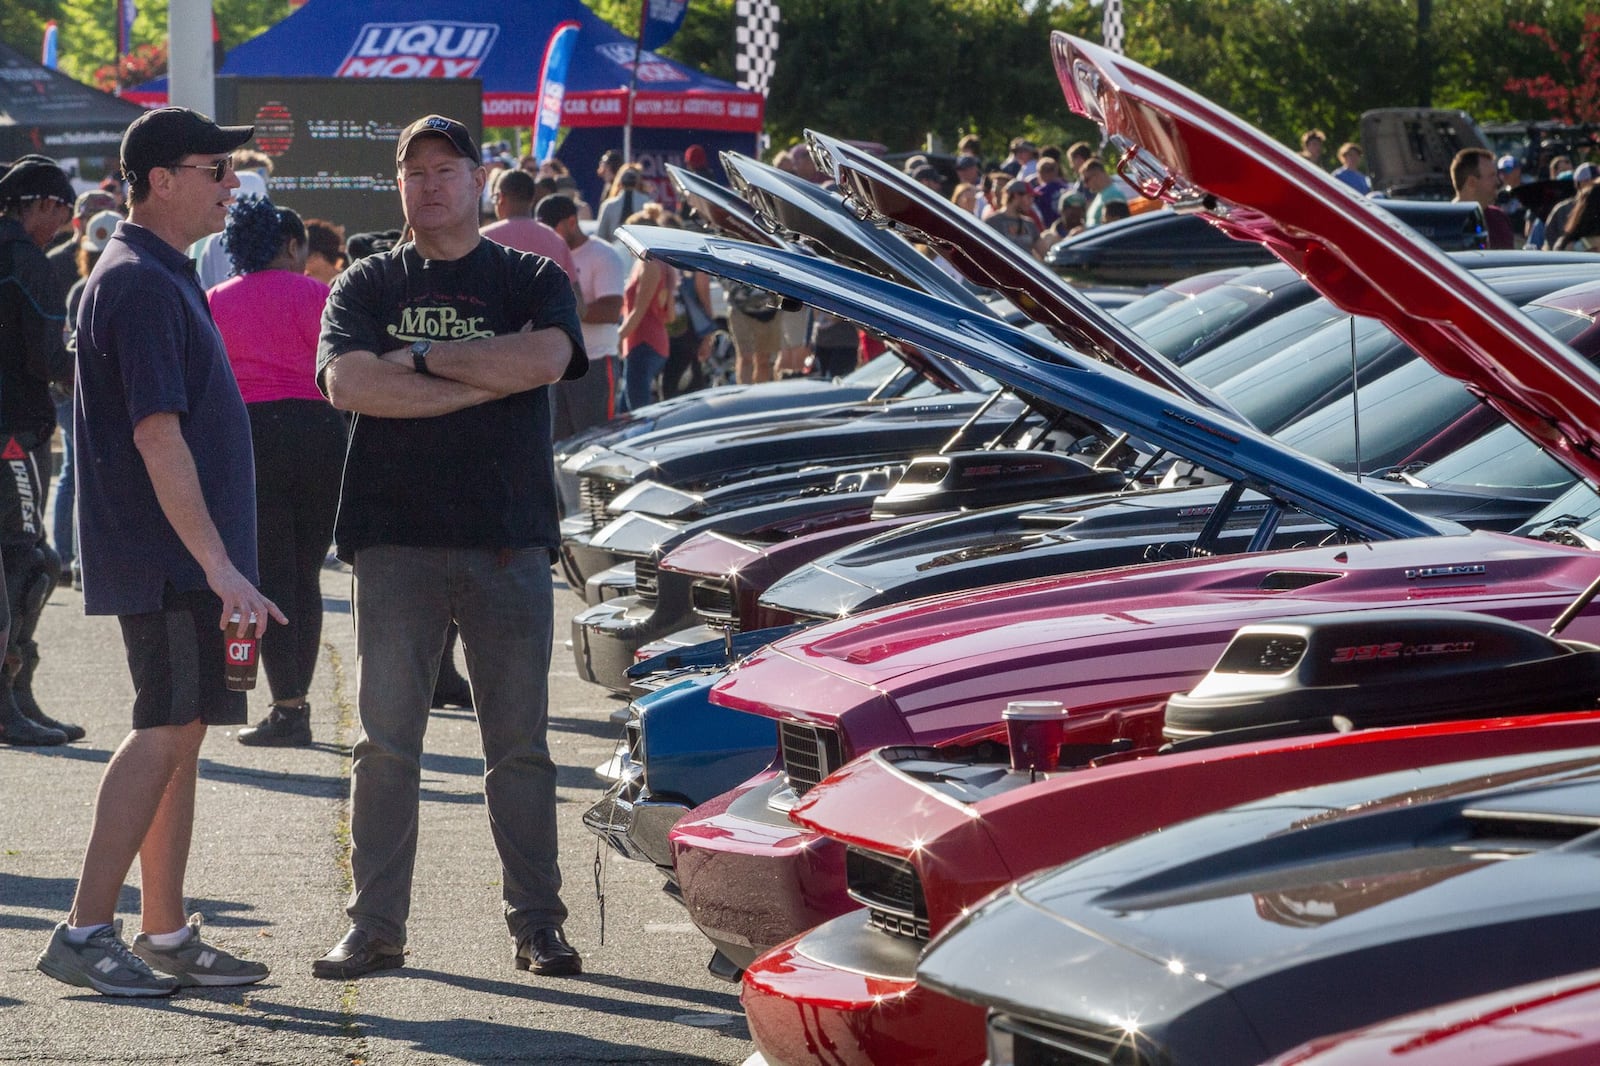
(1114, 645)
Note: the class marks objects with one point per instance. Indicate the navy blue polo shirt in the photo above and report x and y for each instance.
(147, 345)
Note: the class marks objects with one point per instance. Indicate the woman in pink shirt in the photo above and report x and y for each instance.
(270, 315)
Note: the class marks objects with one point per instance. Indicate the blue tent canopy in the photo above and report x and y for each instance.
(502, 45)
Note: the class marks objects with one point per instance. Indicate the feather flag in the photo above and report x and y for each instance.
(662, 19)
(47, 56)
(127, 11)
(553, 88)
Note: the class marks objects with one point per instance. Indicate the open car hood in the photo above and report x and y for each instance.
(1181, 148)
(1047, 374)
(988, 259)
(816, 219)
(720, 209)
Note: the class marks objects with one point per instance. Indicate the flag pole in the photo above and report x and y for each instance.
(633, 84)
(116, 65)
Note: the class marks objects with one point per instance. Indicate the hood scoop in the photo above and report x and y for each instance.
(971, 479)
(1340, 672)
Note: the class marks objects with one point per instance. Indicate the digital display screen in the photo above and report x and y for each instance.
(332, 140)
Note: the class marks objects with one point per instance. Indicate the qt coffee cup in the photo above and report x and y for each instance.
(239, 648)
(1035, 730)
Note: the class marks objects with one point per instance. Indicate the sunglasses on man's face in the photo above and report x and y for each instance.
(218, 170)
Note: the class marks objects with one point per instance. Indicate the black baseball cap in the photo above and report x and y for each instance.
(438, 126)
(162, 137)
(35, 178)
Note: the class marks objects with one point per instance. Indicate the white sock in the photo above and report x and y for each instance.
(78, 935)
(168, 941)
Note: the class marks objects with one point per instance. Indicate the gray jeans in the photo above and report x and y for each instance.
(404, 600)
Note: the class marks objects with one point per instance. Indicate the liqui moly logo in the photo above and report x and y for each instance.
(419, 50)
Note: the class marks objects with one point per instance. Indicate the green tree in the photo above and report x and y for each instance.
(895, 70)
(22, 24)
(1284, 67)
(88, 27)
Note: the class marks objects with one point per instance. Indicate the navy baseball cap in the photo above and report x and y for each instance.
(162, 137)
(438, 126)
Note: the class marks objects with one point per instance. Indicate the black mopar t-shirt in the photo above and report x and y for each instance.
(481, 477)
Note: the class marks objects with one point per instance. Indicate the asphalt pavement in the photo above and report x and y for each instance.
(269, 873)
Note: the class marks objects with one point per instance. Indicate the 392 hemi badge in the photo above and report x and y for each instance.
(1359, 653)
(1419, 573)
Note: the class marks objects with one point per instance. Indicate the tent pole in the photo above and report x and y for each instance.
(633, 83)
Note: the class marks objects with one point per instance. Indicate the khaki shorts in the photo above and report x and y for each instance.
(752, 337)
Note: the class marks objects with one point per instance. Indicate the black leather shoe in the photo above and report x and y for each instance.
(357, 955)
(545, 951)
(283, 727)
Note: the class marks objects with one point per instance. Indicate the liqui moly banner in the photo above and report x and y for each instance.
(425, 49)
(553, 87)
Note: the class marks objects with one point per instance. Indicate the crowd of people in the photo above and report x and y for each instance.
(1477, 176)
(239, 389)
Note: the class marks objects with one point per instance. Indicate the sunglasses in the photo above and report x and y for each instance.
(217, 170)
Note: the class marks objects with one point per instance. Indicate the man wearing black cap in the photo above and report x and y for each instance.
(167, 539)
(35, 201)
(444, 347)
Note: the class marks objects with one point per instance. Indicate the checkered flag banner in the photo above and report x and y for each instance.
(1111, 26)
(756, 35)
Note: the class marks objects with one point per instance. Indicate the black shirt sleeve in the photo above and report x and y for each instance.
(352, 319)
(551, 303)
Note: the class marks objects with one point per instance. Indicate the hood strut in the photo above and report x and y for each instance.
(1574, 609)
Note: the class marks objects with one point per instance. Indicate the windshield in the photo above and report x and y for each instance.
(1501, 458)
(1182, 327)
(1563, 325)
(1238, 354)
(1317, 367)
(885, 376)
(1131, 314)
(1579, 507)
(1399, 412)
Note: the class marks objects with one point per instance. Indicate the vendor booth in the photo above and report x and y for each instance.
(46, 112)
(502, 45)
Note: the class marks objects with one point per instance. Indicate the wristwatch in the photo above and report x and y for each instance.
(419, 356)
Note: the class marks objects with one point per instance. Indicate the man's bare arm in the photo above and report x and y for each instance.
(369, 385)
(503, 365)
(170, 465)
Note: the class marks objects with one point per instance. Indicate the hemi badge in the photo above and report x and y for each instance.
(1463, 570)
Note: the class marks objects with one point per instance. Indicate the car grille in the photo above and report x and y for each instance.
(810, 753)
(891, 891)
(712, 601)
(594, 494)
(1016, 1042)
(646, 581)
